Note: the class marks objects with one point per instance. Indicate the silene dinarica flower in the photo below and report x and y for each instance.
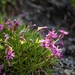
(1, 68)
(10, 54)
(1, 27)
(61, 36)
(22, 40)
(6, 36)
(51, 34)
(42, 28)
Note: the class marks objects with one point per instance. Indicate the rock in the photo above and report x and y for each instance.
(67, 72)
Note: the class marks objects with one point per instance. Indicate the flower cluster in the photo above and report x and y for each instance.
(50, 42)
(21, 47)
(12, 25)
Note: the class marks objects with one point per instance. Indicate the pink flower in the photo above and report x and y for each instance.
(6, 37)
(62, 34)
(9, 55)
(6, 21)
(22, 39)
(21, 33)
(51, 34)
(61, 43)
(10, 25)
(48, 43)
(23, 15)
(1, 67)
(56, 51)
(42, 42)
(42, 28)
(1, 27)
(3, 74)
(32, 26)
(16, 24)
(13, 25)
